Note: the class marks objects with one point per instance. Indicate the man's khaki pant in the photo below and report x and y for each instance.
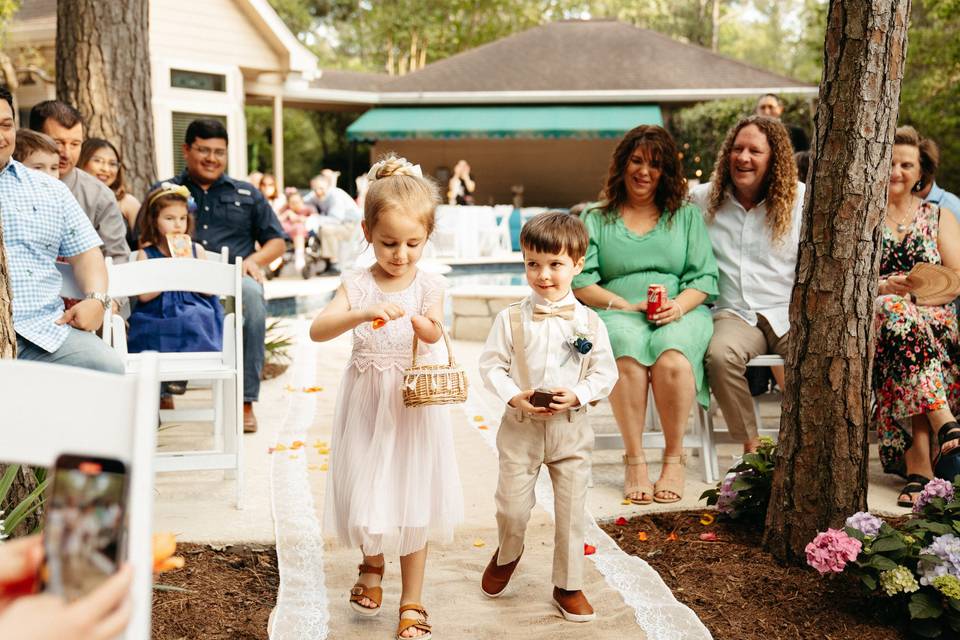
(563, 443)
(335, 238)
(734, 343)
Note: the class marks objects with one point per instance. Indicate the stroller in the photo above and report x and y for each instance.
(314, 262)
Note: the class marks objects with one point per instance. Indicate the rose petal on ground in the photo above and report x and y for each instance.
(323, 451)
(589, 549)
(312, 389)
(280, 447)
(483, 426)
(296, 444)
(707, 519)
(270, 449)
(709, 536)
(621, 521)
(479, 543)
(673, 537)
(625, 501)
(323, 467)
(642, 536)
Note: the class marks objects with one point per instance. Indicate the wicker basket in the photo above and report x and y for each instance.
(428, 384)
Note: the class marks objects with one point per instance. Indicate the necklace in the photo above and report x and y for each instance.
(902, 223)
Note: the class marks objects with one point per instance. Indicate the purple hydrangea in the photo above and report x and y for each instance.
(945, 560)
(936, 488)
(865, 522)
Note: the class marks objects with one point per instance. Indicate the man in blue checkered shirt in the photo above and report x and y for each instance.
(42, 220)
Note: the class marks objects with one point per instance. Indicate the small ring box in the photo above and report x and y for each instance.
(542, 398)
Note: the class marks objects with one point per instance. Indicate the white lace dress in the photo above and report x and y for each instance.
(393, 482)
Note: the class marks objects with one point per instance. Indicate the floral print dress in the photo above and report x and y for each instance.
(916, 366)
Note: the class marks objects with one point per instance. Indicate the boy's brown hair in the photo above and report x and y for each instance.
(556, 232)
(29, 142)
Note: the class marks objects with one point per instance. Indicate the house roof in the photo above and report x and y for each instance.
(336, 80)
(587, 55)
(34, 9)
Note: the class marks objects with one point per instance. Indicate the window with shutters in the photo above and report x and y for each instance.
(180, 123)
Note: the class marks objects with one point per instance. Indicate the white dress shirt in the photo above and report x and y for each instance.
(756, 273)
(547, 353)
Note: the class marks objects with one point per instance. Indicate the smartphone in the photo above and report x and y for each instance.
(83, 533)
(541, 398)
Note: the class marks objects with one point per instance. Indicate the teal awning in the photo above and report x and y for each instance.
(581, 121)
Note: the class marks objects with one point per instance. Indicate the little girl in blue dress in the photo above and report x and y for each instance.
(172, 321)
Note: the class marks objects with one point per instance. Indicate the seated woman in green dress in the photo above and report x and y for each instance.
(643, 232)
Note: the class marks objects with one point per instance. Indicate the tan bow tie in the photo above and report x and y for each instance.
(542, 312)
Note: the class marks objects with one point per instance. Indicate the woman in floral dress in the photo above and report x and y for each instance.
(916, 370)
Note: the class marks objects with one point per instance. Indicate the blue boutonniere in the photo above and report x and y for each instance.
(581, 342)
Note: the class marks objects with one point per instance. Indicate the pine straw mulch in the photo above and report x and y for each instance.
(741, 593)
(230, 594)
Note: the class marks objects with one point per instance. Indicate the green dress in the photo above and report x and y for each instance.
(677, 254)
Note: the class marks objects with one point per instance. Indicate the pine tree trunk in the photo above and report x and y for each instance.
(821, 473)
(25, 481)
(103, 69)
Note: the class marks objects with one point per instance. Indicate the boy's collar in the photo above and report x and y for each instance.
(536, 298)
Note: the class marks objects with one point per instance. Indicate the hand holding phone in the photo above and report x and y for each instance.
(83, 537)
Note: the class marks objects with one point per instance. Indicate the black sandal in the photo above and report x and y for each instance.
(949, 432)
(915, 484)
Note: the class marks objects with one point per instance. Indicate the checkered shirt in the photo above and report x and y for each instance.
(41, 220)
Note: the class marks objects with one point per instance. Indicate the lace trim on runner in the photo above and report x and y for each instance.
(658, 612)
(301, 610)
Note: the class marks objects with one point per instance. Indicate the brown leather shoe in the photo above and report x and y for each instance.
(573, 605)
(249, 419)
(496, 577)
(166, 403)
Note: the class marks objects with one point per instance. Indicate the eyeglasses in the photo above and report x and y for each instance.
(110, 164)
(220, 154)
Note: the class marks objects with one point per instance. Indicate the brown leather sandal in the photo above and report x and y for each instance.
(421, 623)
(643, 487)
(670, 486)
(360, 591)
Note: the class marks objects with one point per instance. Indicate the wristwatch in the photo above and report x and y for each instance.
(102, 298)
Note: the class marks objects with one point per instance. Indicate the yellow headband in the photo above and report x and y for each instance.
(170, 189)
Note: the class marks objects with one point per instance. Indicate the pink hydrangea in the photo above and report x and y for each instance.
(831, 550)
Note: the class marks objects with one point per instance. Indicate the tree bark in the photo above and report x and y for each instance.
(821, 471)
(103, 69)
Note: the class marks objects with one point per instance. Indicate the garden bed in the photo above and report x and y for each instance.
(740, 592)
(230, 594)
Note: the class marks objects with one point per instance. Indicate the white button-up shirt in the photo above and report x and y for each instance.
(756, 273)
(551, 362)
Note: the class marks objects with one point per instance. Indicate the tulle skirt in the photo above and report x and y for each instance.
(393, 479)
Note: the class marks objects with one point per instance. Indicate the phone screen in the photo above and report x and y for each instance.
(82, 535)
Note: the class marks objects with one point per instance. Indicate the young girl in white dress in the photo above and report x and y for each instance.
(393, 482)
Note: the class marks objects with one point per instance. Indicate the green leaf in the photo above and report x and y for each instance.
(887, 543)
(869, 581)
(882, 563)
(741, 484)
(926, 628)
(7, 481)
(29, 504)
(924, 605)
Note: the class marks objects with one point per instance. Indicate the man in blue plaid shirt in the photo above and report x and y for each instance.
(42, 220)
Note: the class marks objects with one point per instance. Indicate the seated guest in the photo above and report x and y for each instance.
(268, 187)
(100, 158)
(293, 216)
(42, 221)
(753, 206)
(927, 188)
(770, 105)
(916, 364)
(802, 158)
(339, 219)
(37, 151)
(232, 213)
(643, 233)
(63, 123)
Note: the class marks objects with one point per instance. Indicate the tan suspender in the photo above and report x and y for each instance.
(519, 346)
(585, 360)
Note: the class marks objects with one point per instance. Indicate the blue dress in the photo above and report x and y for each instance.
(176, 321)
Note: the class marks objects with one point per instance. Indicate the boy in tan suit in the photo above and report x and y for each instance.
(547, 357)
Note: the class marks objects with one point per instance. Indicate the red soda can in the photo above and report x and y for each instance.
(656, 296)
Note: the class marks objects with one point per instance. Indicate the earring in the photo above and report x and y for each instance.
(918, 186)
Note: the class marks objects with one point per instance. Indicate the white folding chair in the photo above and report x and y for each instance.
(224, 368)
(52, 409)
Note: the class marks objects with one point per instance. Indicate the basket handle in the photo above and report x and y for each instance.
(446, 341)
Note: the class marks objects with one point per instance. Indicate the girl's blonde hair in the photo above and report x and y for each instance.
(398, 185)
(780, 183)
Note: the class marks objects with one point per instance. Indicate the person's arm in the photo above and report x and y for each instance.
(426, 325)
(949, 241)
(601, 372)
(108, 221)
(270, 235)
(90, 271)
(586, 285)
(338, 317)
(698, 281)
(145, 297)
(468, 182)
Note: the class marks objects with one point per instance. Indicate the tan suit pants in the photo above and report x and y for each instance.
(335, 238)
(734, 343)
(563, 443)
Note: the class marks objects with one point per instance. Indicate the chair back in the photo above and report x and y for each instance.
(52, 409)
(174, 274)
(68, 283)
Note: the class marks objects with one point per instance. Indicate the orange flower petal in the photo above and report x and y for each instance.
(709, 536)
(479, 543)
(378, 323)
(642, 536)
(312, 389)
(296, 444)
(164, 546)
(280, 447)
(673, 537)
(483, 426)
(175, 562)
